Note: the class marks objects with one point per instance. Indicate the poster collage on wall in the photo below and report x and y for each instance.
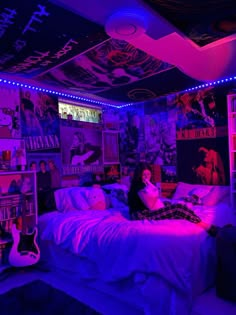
(184, 134)
(32, 118)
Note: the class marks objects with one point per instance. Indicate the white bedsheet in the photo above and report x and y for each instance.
(176, 250)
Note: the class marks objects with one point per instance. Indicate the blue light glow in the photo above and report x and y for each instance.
(27, 86)
(202, 86)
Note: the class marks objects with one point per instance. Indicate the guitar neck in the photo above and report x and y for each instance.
(23, 212)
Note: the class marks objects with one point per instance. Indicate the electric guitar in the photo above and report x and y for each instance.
(79, 159)
(24, 251)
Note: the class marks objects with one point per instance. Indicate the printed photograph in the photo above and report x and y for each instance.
(39, 120)
(203, 161)
(81, 146)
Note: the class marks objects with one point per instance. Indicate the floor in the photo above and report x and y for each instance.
(91, 297)
(207, 304)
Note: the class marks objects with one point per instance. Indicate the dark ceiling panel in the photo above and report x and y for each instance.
(38, 35)
(164, 83)
(202, 21)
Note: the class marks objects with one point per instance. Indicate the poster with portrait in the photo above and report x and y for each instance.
(80, 146)
(160, 136)
(203, 161)
(9, 113)
(39, 120)
(132, 140)
(205, 108)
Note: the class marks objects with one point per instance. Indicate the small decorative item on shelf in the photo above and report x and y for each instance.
(6, 159)
(20, 159)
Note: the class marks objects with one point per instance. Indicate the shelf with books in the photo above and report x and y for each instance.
(18, 199)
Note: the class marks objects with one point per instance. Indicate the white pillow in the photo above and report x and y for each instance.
(60, 196)
(68, 199)
(115, 186)
(78, 200)
(184, 190)
(201, 191)
(216, 195)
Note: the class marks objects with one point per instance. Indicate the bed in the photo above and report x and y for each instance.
(160, 267)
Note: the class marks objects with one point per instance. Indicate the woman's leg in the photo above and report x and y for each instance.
(183, 212)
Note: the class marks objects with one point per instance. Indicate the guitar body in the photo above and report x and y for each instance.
(24, 251)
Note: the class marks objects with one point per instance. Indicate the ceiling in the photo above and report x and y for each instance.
(120, 51)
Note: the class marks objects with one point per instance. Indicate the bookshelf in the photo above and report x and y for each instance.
(17, 189)
(231, 103)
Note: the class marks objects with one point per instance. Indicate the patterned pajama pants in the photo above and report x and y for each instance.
(171, 211)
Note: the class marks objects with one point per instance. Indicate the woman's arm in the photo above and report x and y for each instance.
(149, 196)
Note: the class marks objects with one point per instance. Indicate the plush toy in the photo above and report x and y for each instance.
(96, 198)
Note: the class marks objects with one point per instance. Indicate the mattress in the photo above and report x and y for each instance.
(175, 255)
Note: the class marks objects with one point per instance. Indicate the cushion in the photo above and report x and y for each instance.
(77, 200)
(69, 199)
(60, 196)
(216, 195)
(184, 190)
(117, 195)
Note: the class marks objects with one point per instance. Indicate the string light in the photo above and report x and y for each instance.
(46, 90)
(221, 81)
(28, 86)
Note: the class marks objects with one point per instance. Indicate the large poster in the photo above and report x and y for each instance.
(160, 136)
(204, 161)
(9, 113)
(132, 141)
(201, 109)
(81, 146)
(38, 35)
(39, 120)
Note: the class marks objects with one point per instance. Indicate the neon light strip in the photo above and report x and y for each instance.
(227, 80)
(28, 86)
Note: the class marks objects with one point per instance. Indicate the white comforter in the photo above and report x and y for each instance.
(175, 250)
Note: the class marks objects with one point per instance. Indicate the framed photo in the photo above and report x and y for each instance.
(112, 172)
(110, 147)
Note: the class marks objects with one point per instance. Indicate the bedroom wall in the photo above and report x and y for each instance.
(184, 136)
(176, 134)
(48, 135)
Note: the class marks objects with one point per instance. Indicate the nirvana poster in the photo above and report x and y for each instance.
(39, 120)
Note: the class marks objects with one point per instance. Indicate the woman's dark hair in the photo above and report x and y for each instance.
(43, 162)
(32, 163)
(137, 177)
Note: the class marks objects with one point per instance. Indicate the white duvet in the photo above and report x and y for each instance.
(175, 250)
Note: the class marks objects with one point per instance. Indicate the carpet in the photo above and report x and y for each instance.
(40, 298)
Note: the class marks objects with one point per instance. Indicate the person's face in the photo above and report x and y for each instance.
(146, 175)
(77, 141)
(50, 165)
(42, 166)
(33, 167)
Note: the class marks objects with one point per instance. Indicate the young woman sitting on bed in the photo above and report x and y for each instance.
(144, 202)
